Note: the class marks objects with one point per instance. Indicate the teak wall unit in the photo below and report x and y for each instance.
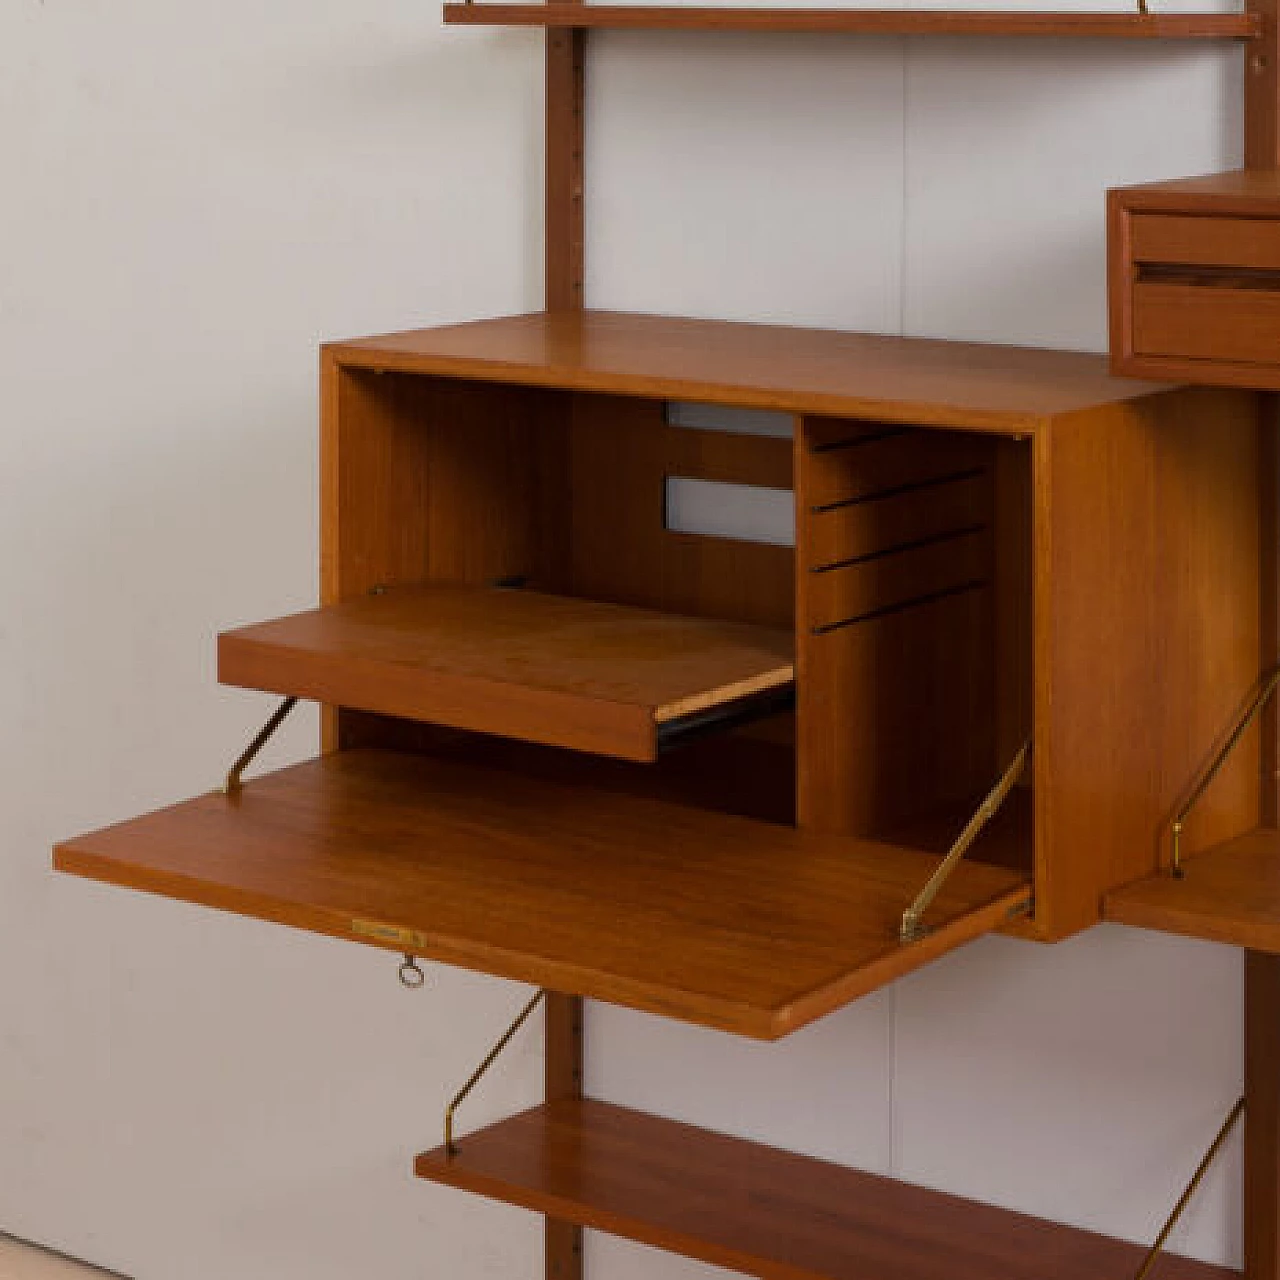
(709, 778)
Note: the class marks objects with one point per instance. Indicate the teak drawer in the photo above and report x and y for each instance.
(1195, 280)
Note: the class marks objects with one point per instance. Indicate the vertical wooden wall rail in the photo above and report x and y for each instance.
(563, 1240)
(1262, 972)
(1262, 1117)
(564, 196)
(564, 256)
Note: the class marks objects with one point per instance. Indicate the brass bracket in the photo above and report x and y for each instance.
(461, 1096)
(235, 775)
(1266, 687)
(1172, 1221)
(913, 927)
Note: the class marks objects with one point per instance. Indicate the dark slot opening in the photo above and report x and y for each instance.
(872, 614)
(950, 535)
(1209, 277)
(913, 486)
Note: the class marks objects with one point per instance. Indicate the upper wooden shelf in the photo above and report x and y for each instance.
(1229, 893)
(736, 924)
(1005, 390)
(552, 669)
(764, 1212)
(891, 22)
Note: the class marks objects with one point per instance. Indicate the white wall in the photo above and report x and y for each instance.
(191, 199)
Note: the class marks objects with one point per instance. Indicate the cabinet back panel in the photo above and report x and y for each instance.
(622, 452)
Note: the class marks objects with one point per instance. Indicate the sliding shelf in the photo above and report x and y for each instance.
(566, 672)
(740, 925)
(765, 1212)
(889, 22)
(1229, 893)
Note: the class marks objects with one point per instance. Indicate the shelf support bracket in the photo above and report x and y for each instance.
(1185, 1199)
(1266, 687)
(490, 1058)
(913, 927)
(235, 775)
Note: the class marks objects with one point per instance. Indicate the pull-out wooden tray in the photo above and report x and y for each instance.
(552, 669)
(740, 925)
(1230, 893)
(765, 1212)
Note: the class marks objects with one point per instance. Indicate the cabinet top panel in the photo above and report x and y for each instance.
(1004, 390)
(1242, 193)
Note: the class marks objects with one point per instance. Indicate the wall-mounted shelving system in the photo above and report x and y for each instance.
(742, 784)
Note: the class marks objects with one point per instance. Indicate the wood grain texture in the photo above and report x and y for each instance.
(737, 925)
(1231, 893)
(916, 381)
(425, 479)
(1119, 26)
(921, 674)
(564, 244)
(765, 1212)
(621, 453)
(1217, 241)
(1146, 543)
(565, 185)
(1245, 193)
(1192, 322)
(896, 579)
(1262, 89)
(553, 669)
(1191, 263)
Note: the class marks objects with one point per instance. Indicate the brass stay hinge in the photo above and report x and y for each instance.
(489, 1059)
(913, 927)
(1185, 1199)
(235, 775)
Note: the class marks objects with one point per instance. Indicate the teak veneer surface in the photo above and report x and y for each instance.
(915, 380)
(1230, 893)
(1234, 192)
(765, 1212)
(551, 669)
(1123, 26)
(739, 925)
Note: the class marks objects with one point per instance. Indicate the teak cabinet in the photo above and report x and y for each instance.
(1036, 553)
(1025, 635)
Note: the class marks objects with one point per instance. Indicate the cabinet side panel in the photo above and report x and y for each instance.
(1210, 533)
(428, 479)
(1146, 636)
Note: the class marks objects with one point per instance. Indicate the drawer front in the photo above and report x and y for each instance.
(1177, 240)
(1201, 322)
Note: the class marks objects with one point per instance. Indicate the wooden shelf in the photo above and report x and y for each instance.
(740, 925)
(566, 672)
(765, 1212)
(889, 22)
(919, 381)
(1230, 893)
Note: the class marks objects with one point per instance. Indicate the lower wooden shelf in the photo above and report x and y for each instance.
(741, 925)
(1229, 893)
(766, 1212)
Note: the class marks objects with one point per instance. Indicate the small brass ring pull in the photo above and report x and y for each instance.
(411, 974)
